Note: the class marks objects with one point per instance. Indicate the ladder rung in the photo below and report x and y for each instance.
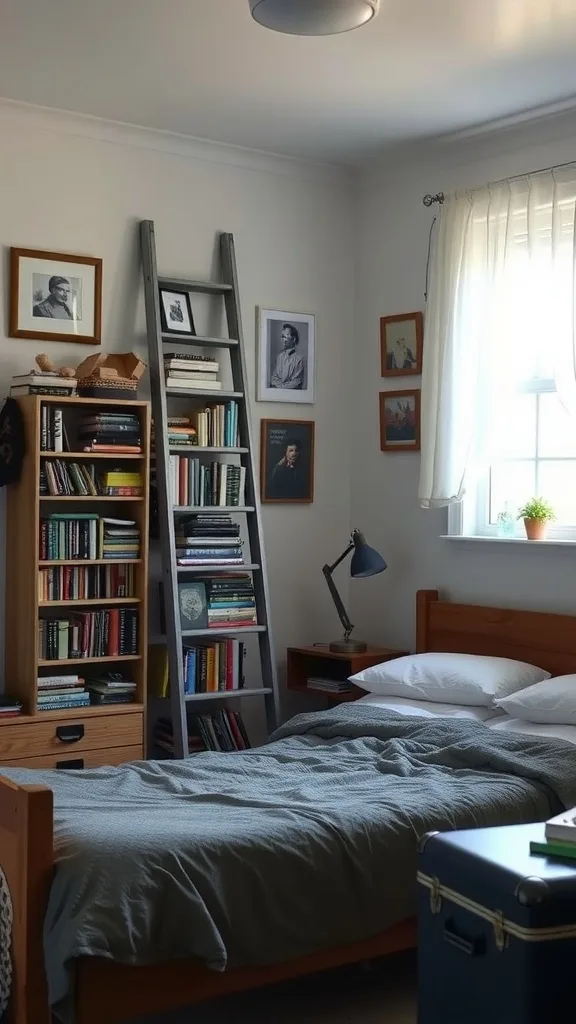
(215, 509)
(210, 569)
(196, 339)
(203, 393)
(223, 631)
(197, 449)
(261, 691)
(209, 287)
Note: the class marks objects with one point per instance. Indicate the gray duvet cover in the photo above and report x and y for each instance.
(262, 856)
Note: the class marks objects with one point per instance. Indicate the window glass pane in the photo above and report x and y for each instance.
(515, 431)
(511, 484)
(557, 429)
(557, 483)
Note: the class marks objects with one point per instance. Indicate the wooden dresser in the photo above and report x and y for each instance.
(75, 736)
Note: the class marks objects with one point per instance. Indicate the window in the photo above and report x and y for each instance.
(499, 383)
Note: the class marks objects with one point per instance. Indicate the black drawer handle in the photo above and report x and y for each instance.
(70, 733)
(472, 947)
(77, 762)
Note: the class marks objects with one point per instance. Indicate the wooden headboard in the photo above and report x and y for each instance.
(540, 638)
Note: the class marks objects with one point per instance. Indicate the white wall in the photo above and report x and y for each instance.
(81, 186)
(392, 242)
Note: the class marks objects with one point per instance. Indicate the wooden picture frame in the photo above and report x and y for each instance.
(170, 325)
(287, 461)
(59, 302)
(401, 344)
(400, 421)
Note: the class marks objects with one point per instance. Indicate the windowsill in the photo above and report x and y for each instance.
(554, 543)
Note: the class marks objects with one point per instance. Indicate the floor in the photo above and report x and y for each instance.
(381, 993)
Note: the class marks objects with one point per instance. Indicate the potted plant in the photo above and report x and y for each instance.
(537, 514)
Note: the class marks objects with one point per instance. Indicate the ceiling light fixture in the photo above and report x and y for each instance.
(313, 17)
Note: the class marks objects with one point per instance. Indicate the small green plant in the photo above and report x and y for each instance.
(537, 508)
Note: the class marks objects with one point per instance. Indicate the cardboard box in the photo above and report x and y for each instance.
(108, 366)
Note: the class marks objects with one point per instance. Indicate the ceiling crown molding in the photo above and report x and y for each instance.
(28, 115)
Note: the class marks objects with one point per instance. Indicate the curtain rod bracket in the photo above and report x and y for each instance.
(429, 200)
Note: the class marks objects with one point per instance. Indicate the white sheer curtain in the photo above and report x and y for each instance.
(501, 311)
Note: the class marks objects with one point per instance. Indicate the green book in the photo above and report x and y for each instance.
(73, 515)
(554, 849)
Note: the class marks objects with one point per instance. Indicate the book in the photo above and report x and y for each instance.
(554, 849)
(16, 391)
(193, 385)
(562, 827)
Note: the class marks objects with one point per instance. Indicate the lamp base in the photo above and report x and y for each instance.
(348, 647)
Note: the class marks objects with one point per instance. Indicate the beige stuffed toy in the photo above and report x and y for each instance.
(47, 366)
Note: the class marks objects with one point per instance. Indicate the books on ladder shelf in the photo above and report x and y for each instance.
(231, 601)
(208, 485)
(208, 540)
(223, 731)
(560, 836)
(191, 372)
(217, 426)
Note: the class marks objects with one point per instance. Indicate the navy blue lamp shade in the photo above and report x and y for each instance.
(366, 561)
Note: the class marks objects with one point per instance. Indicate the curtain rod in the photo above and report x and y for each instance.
(439, 197)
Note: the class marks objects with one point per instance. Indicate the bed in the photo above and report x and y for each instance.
(109, 991)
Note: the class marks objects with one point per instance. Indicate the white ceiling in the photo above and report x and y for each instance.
(204, 68)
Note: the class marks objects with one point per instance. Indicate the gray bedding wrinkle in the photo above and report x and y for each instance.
(262, 856)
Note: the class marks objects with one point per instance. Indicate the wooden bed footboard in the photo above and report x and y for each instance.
(26, 857)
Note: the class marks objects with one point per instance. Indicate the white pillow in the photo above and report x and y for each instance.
(551, 732)
(471, 679)
(428, 708)
(553, 701)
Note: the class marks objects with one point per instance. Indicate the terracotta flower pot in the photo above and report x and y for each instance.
(536, 529)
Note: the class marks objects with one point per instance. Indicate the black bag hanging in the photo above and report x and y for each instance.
(12, 442)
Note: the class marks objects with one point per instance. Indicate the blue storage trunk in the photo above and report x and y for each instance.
(497, 929)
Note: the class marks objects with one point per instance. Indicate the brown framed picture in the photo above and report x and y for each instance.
(287, 461)
(401, 344)
(400, 421)
(55, 296)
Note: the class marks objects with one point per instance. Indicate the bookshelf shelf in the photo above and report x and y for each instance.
(214, 509)
(90, 497)
(260, 691)
(197, 449)
(26, 507)
(203, 393)
(223, 631)
(79, 602)
(211, 569)
(48, 662)
(91, 455)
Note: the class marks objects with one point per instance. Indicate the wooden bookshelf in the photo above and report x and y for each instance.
(23, 664)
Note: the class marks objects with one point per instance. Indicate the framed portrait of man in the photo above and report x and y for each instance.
(401, 344)
(287, 461)
(55, 296)
(286, 356)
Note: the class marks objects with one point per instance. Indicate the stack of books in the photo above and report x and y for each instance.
(208, 540)
(61, 691)
(121, 483)
(110, 432)
(192, 482)
(222, 731)
(214, 667)
(230, 599)
(107, 633)
(181, 430)
(120, 538)
(111, 688)
(328, 685)
(560, 833)
(190, 372)
(217, 426)
(9, 707)
(69, 536)
(41, 382)
(85, 582)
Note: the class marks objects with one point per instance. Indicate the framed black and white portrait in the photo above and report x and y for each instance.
(176, 312)
(55, 296)
(286, 356)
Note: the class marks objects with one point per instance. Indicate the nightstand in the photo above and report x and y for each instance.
(319, 661)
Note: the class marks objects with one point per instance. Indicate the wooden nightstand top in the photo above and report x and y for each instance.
(323, 651)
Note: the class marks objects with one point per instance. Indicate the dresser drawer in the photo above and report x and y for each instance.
(67, 735)
(77, 759)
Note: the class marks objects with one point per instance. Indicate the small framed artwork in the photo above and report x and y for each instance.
(55, 296)
(193, 605)
(286, 356)
(401, 344)
(287, 461)
(176, 312)
(400, 421)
